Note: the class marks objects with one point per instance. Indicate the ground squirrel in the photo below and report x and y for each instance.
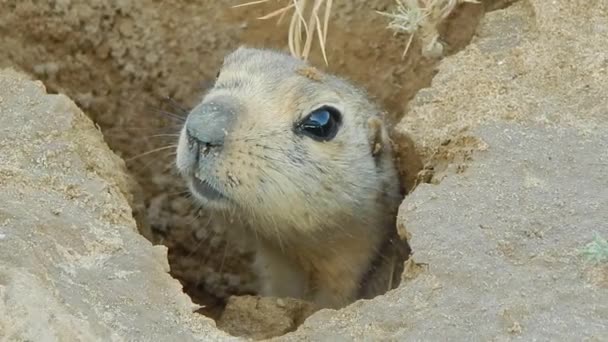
(300, 162)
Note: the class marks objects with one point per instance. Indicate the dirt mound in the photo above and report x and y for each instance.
(72, 265)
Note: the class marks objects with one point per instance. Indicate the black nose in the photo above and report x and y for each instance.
(208, 123)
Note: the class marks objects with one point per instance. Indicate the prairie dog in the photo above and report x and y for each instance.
(300, 162)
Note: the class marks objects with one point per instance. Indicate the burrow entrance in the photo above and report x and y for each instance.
(120, 60)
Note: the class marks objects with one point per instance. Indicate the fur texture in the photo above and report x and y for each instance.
(317, 212)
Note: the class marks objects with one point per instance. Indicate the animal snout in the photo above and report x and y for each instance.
(200, 147)
(208, 123)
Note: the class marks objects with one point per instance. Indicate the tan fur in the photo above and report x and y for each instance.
(318, 213)
(310, 72)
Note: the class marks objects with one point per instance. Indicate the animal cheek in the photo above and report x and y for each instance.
(234, 180)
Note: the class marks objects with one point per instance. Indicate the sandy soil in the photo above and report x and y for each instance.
(73, 266)
(120, 60)
(530, 84)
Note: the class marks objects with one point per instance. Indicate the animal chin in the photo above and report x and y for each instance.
(205, 191)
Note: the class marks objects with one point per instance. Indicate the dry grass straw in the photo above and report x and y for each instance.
(422, 16)
(413, 17)
(305, 23)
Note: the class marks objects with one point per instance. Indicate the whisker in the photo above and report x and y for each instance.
(123, 129)
(176, 105)
(164, 135)
(223, 256)
(199, 243)
(150, 152)
(148, 164)
(171, 165)
(197, 216)
(184, 193)
(169, 114)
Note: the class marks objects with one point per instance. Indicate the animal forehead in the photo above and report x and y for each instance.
(283, 85)
(273, 83)
(267, 66)
(247, 59)
(286, 99)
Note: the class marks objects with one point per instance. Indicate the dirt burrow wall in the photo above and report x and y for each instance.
(73, 266)
(522, 66)
(119, 59)
(532, 129)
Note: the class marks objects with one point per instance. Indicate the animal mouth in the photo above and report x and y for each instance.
(206, 190)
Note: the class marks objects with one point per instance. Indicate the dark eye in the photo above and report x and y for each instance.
(217, 75)
(321, 124)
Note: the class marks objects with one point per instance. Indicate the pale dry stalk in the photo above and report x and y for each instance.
(421, 17)
(303, 26)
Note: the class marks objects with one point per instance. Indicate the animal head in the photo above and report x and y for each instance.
(280, 142)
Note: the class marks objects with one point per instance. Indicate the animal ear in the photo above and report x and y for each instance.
(375, 135)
